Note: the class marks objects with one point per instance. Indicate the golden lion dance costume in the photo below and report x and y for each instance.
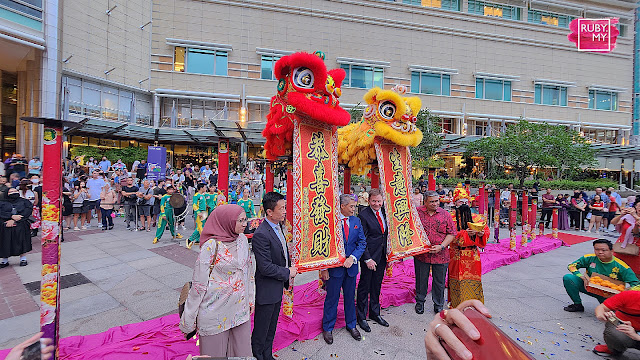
(387, 129)
(465, 267)
(302, 123)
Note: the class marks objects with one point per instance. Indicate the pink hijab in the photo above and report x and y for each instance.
(221, 224)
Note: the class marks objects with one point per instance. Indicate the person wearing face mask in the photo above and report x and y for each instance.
(465, 268)
(15, 237)
(80, 194)
(3, 186)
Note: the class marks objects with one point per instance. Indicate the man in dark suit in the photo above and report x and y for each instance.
(344, 277)
(374, 261)
(273, 273)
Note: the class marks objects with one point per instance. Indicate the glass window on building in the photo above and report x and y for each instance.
(75, 96)
(200, 61)
(24, 12)
(178, 60)
(550, 95)
(430, 83)
(492, 89)
(363, 77)
(603, 100)
(143, 110)
(549, 18)
(491, 9)
(441, 4)
(266, 67)
(125, 99)
(110, 103)
(91, 99)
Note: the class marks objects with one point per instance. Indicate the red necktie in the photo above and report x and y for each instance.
(380, 221)
(345, 229)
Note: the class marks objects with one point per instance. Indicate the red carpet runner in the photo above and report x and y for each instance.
(160, 339)
(571, 239)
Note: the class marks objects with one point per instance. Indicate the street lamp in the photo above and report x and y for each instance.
(243, 115)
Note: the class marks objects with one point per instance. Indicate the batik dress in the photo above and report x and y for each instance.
(465, 267)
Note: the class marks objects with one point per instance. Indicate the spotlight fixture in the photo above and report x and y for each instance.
(110, 10)
(108, 71)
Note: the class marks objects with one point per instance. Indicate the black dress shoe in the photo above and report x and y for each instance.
(355, 334)
(328, 337)
(419, 308)
(364, 325)
(574, 308)
(380, 321)
(23, 263)
(4, 265)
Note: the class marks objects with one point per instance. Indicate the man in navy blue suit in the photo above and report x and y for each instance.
(344, 277)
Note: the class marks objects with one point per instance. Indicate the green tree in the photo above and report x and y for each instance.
(423, 155)
(525, 144)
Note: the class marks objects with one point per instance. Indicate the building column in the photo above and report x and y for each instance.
(223, 166)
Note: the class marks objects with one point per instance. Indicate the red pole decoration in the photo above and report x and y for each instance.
(541, 228)
(533, 212)
(223, 167)
(432, 179)
(525, 219)
(268, 186)
(375, 177)
(481, 201)
(554, 223)
(512, 220)
(347, 180)
(496, 216)
(51, 227)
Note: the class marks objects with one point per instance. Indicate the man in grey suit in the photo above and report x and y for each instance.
(273, 272)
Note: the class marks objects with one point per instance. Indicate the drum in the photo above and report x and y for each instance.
(176, 201)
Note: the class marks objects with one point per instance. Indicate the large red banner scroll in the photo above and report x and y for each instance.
(406, 235)
(317, 235)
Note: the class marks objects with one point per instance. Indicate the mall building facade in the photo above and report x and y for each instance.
(186, 73)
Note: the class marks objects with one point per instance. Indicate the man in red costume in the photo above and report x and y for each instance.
(465, 268)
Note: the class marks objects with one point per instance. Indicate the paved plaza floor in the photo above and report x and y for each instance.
(117, 277)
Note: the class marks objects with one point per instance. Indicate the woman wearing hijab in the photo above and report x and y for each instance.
(221, 298)
(15, 235)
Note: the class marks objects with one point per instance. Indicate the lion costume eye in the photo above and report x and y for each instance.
(303, 78)
(387, 109)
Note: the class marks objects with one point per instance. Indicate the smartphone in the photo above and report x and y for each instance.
(32, 352)
(493, 343)
(614, 320)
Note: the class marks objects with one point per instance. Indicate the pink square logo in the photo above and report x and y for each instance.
(597, 35)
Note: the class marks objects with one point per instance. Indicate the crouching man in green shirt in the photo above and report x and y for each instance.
(602, 262)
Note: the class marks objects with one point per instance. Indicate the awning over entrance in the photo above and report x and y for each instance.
(249, 132)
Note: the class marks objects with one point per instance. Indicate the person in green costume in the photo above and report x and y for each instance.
(211, 198)
(166, 216)
(602, 262)
(200, 213)
(247, 205)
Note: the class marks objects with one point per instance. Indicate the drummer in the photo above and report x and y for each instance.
(166, 216)
(200, 214)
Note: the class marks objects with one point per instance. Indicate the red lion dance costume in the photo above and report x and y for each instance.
(302, 123)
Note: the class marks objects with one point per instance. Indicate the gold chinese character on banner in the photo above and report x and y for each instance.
(320, 245)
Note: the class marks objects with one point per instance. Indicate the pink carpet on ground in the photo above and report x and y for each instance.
(162, 340)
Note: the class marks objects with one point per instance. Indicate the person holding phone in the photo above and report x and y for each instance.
(621, 315)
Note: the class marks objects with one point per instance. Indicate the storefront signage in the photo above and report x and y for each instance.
(597, 35)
